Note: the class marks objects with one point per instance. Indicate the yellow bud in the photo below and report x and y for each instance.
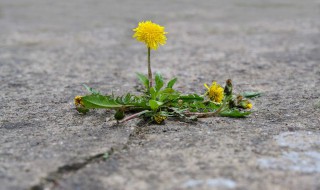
(159, 118)
(77, 100)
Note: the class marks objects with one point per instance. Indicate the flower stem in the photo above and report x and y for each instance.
(133, 116)
(149, 68)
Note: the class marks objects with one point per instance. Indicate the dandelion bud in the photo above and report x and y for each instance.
(119, 114)
(228, 88)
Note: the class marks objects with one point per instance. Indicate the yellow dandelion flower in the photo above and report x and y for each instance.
(77, 101)
(249, 106)
(151, 34)
(215, 92)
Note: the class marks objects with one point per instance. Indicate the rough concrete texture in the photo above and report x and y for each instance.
(48, 49)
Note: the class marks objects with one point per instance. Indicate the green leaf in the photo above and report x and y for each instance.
(159, 81)
(91, 89)
(191, 97)
(168, 94)
(153, 93)
(250, 94)
(171, 82)
(154, 104)
(212, 106)
(234, 113)
(99, 101)
(167, 91)
(144, 80)
(133, 100)
(126, 98)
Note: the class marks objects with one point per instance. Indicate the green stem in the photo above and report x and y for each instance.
(149, 68)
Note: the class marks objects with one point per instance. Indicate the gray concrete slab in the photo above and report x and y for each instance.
(48, 49)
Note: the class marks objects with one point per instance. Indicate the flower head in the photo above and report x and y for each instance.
(151, 34)
(77, 101)
(215, 92)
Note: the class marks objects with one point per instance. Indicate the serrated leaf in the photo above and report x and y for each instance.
(133, 100)
(171, 82)
(154, 105)
(91, 90)
(234, 113)
(143, 79)
(99, 101)
(126, 98)
(250, 94)
(159, 82)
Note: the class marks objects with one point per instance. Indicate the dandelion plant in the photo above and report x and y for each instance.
(160, 100)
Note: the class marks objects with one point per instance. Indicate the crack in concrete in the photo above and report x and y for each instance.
(52, 179)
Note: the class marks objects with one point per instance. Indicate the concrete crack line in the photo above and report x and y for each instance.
(52, 179)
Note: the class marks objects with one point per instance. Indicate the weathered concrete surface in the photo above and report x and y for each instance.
(48, 49)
